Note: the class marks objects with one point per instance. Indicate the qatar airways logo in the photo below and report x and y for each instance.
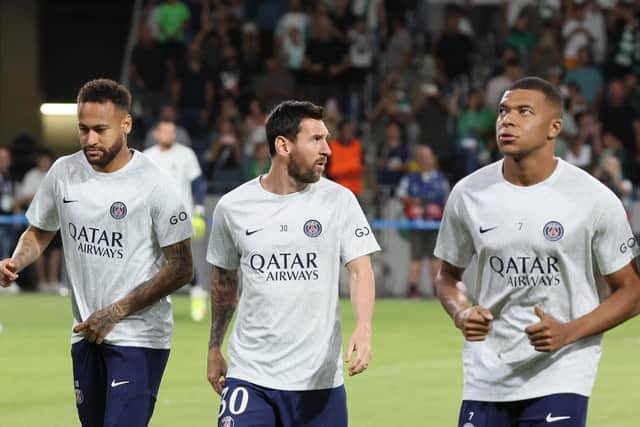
(527, 271)
(97, 241)
(286, 266)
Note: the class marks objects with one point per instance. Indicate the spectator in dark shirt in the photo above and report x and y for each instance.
(325, 62)
(453, 49)
(149, 75)
(621, 121)
(192, 92)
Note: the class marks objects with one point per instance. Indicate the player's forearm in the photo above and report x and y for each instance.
(621, 305)
(224, 300)
(30, 246)
(363, 295)
(174, 274)
(451, 296)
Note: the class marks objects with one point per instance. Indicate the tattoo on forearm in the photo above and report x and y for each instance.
(107, 318)
(29, 247)
(224, 299)
(176, 272)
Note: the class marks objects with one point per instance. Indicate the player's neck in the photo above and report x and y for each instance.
(118, 162)
(279, 182)
(529, 170)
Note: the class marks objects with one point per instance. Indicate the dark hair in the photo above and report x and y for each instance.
(551, 93)
(284, 120)
(105, 90)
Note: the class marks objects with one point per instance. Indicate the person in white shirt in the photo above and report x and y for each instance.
(182, 164)
(546, 238)
(125, 235)
(287, 232)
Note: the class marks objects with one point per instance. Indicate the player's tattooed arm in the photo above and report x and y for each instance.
(177, 271)
(30, 246)
(224, 300)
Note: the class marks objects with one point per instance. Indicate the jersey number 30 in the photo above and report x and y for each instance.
(238, 401)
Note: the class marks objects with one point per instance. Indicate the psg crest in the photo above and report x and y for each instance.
(553, 231)
(226, 422)
(312, 228)
(118, 210)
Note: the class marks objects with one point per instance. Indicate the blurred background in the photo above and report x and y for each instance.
(410, 89)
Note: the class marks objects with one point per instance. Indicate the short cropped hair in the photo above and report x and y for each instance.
(284, 120)
(105, 90)
(551, 93)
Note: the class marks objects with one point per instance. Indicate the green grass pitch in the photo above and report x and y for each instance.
(415, 378)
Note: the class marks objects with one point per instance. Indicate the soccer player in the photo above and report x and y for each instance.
(543, 233)
(126, 241)
(182, 164)
(287, 232)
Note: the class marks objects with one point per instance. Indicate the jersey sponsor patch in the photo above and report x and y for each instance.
(118, 210)
(312, 228)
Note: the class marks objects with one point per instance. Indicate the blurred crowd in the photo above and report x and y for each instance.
(410, 87)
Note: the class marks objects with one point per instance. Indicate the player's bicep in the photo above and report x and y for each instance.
(179, 257)
(449, 275)
(627, 276)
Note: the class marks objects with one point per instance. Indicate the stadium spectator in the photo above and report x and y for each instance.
(193, 93)
(522, 38)
(150, 75)
(49, 264)
(396, 57)
(392, 160)
(325, 62)
(453, 48)
(275, 85)
(225, 159)
(7, 205)
(251, 52)
(291, 35)
(423, 194)
(496, 86)
(172, 17)
(253, 128)
(259, 162)
(346, 164)
(584, 149)
(621, 122)
(587, 76)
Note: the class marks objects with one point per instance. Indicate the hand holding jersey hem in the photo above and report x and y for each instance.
(549, 334)
(474, 322)
(97, 326)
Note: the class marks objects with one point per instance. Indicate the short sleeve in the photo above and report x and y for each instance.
(221, 250)
(357, 237)
(613, 243)
(171, 220)
(454, 244)
(43, 210)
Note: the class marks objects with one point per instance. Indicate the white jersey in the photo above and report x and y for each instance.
(182, 164)
(544, 244)
(287, 334)
(113, 226)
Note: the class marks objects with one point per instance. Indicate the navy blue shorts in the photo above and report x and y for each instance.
(245, 404)
(116, 386)
(554, 410)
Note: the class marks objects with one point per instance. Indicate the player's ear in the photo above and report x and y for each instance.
(555, 127)
(127, 124)
(282, 146)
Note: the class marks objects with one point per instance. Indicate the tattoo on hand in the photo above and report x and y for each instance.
(224, 299)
